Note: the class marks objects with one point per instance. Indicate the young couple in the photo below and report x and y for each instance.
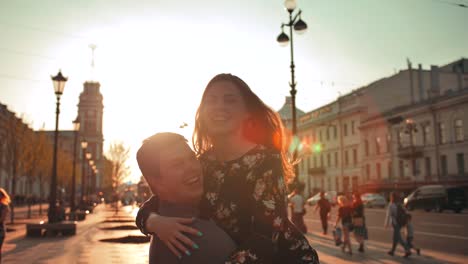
(226, 202)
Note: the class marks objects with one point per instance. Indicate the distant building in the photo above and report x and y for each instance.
(361, 141)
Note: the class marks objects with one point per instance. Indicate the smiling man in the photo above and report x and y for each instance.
(174, 175)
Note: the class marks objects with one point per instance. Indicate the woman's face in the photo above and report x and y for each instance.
(224, 110)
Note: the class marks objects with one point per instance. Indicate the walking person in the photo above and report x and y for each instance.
(359, 221)
(345, 212)
(4, 211)
(396, 218)
(239, 142)
(324, 208)
(297, 203)
(410, 235)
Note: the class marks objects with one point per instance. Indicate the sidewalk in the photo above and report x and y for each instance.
(375, 252)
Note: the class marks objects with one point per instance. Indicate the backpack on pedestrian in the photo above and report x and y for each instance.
(401, 215)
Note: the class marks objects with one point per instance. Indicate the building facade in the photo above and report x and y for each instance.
(401, 131)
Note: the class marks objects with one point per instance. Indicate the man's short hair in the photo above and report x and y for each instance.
(148, 155)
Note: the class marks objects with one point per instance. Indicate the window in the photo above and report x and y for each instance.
(367, 171)
(390, 170)
(345, 130)
(443, 165)
(442, 135)
(328, 133)
(377, 145)
(328, 160)
(366, 147)
(378, 169)
(401, 168)
(346, 158)
(335, 132)
(427, 166)
(320, 135)
(459, 136)
(353, 129)
(315, 161)
(461, 164)
(426, 134)
(399, 137)
(321, 161)
(336, 159)
(354, 156)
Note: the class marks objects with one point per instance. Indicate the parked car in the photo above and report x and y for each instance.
(330, 196)
(373, 200)
(437, 198)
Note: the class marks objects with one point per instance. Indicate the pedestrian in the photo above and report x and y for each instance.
(324, 208)
(173, 172)
(359, 221)
(395, 218)
(345, 212)
(410, 235)
(240, 144)
(4, 211)
(297, 203)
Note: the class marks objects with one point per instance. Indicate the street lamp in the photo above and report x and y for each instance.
(76, 128)
(59, 84)
(90, 178)
(410, 128)
(84, 145)
(299, 26)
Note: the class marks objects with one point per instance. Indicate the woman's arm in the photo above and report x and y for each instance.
(168, 229)
(272, 237)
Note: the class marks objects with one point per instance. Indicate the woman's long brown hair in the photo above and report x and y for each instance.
(264, 126)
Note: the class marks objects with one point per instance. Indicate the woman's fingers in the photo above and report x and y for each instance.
(186, 241)
(173, 249)
(180, 247)
(190, 230)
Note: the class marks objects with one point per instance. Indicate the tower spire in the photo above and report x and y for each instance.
(93, 70)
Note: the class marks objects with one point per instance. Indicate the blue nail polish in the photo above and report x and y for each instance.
(195, 246)
(187, 253)
(200, 233)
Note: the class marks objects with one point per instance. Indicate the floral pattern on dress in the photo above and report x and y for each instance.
(246, 197)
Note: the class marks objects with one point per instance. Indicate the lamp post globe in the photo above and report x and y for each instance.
(59, 84)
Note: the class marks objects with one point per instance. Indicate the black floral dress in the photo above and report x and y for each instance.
(246, 197)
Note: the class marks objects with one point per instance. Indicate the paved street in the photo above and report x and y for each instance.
(443, 238)
(446, 232)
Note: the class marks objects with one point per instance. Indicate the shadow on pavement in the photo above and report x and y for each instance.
(128, 240)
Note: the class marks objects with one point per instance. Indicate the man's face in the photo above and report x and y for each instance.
(180, 180)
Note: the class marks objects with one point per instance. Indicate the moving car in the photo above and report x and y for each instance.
(330, 196)
(373, 200)
(437, 198)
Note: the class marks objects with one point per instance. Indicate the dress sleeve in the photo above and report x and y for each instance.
(149, 206)
(273, 238)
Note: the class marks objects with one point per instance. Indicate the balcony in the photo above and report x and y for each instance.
(319, 171)
(410, 152)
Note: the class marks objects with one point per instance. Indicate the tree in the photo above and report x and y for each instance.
(15, 152)
(118, 155)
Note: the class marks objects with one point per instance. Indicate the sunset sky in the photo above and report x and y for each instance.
(154, 58)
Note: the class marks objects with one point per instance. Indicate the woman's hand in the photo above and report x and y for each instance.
(170, 230)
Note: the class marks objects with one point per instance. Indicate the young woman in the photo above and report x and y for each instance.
(4, 210)
(345, 215)
(359, 221)
(239, 142)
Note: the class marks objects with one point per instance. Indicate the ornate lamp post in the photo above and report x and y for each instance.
(410, 128)
(84, 145)
(76, 128)
(299, 26)
(90, 176)
(59, 84)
